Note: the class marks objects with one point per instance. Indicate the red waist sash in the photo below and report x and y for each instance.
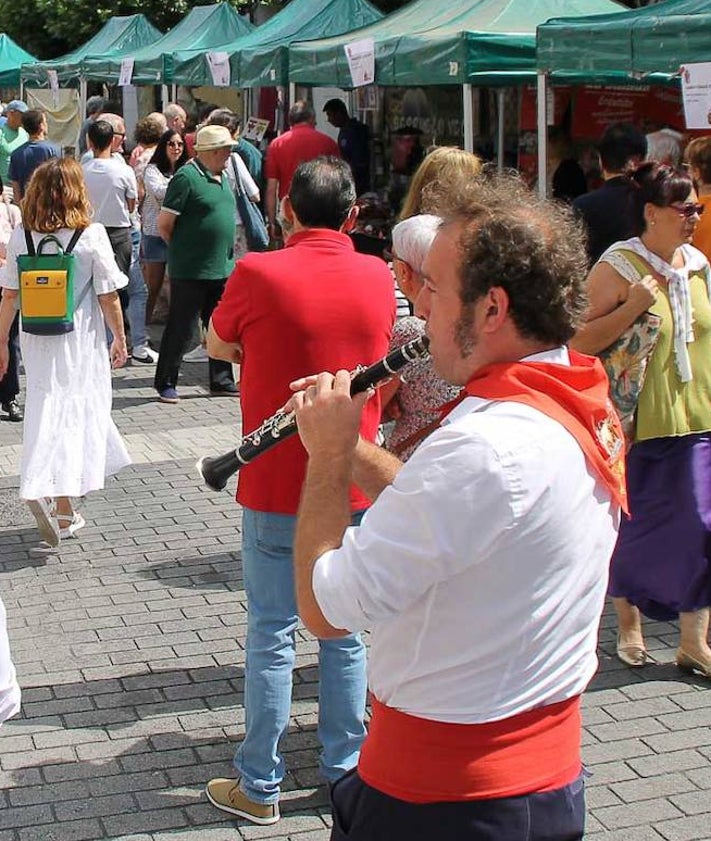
(423, 761)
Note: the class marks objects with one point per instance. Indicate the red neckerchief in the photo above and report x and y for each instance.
(575, 395)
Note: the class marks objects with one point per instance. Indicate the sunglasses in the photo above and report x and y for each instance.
(688, 209)
(176, 144)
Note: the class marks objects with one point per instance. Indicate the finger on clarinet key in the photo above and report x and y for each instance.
(303, 382)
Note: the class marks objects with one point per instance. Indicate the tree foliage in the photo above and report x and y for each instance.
(48, 28)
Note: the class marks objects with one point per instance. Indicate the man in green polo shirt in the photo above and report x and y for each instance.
(12, 135)
(197, 220)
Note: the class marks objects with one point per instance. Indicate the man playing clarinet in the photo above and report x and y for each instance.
(315, 304)
(481, 567)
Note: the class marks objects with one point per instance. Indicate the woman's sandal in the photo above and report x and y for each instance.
(69, 525)
(47, 524)
(686, 663)
(633, 654)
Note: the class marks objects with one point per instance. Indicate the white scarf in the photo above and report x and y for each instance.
(678, 285)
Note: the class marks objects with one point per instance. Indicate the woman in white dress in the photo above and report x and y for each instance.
(70, 443)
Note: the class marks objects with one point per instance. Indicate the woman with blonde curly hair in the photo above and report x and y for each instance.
(443, 170)
(70, 443)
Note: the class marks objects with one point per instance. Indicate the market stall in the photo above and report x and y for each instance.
(12, 57)
(119, 36)
(462, 42)
(261, 58)
(642, 45)
(203, 28)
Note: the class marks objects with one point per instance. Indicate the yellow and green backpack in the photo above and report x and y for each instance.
(47, 302)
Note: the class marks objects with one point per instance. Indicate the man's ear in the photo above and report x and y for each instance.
(351, 219)
(287, 210)
(409, 282)
(496, 308)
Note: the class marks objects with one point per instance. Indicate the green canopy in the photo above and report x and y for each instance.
(260, 59)
(204, 27)
(484, 42)
(12, 57)
(119, 36)
(613, 49)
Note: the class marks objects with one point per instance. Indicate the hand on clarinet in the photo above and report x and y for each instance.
(327, 416)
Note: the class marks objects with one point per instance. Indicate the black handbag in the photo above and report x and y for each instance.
(254, 228)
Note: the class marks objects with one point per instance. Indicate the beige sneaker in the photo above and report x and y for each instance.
(226, 795)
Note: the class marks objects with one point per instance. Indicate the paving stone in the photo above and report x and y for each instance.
(80, 830)
(636, 814)
(685, 829)
(666, 763)
(652, 788)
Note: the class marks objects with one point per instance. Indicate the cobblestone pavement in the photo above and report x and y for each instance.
(130, 651)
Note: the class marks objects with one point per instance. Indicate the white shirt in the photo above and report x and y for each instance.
(110, 183)
(155, 184)
(482, 569)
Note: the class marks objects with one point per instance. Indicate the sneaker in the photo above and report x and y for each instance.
(229, 390)
(46, 521)
(14, 412)
(226, 795)
(144, 354)
(168, 395)
(198, 354)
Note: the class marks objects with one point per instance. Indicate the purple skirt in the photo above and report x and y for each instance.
(662, 561)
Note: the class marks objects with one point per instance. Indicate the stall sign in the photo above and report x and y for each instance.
(696, 93)
(596, 108)
(361, 61)
(219, 65)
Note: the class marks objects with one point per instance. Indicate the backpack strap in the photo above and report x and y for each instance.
(84, 292)
(30, 243)
(73, 241)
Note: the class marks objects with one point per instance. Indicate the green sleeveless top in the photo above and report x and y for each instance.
(667, 406)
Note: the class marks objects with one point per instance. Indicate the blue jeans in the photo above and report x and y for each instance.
(137, 295)
(267, 563)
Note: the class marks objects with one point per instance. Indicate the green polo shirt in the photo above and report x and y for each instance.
(10, 139)
(201, 247)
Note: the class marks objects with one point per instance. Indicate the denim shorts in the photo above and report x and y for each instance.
(154, 249)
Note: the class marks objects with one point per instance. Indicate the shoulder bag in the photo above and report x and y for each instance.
(254, 228)
(625, 362)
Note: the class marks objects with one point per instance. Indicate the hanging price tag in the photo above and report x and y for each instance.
(126, 72)
(361, 61)
(219, 64)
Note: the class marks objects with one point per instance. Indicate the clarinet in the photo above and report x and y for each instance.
(282, 425)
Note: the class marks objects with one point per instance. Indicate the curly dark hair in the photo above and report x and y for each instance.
(532, 248)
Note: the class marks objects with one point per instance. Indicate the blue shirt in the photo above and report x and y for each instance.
(26, 158)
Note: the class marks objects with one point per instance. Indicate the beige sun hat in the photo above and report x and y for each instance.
(213, 137)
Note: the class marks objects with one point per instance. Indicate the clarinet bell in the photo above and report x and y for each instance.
(216, 471)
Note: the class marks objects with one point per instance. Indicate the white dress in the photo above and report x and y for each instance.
(70, 443)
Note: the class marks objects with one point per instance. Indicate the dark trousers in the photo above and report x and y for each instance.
(188, 299)
(10, 383)
(120, 239)
(361, 813)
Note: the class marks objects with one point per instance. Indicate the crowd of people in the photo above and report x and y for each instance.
(554, 448)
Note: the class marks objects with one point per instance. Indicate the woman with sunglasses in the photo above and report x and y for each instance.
(662, 563)
(169, 155)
